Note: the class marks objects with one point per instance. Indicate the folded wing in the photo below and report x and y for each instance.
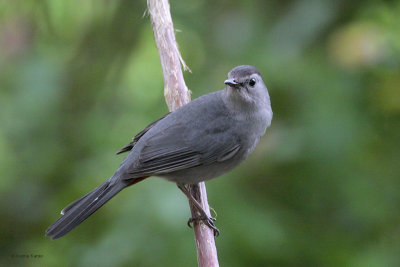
(181, 147)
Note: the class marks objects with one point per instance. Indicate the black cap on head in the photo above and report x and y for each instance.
(244, 70)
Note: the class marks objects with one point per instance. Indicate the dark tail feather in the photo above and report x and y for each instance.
(79, 210)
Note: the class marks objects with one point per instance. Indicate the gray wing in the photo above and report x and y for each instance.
(181, 147)
(135, 139)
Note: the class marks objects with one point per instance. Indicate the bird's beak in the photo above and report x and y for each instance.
(232, 83)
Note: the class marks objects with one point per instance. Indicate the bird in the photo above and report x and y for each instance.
(199, 141)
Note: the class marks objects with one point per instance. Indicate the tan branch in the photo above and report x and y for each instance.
(176, 95)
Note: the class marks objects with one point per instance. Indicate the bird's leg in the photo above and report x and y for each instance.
(208, 220)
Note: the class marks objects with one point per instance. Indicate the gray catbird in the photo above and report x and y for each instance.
(199, 141)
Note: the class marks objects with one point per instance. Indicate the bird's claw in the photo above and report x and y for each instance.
(209, 221)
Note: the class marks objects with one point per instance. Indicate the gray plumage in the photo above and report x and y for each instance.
(200, 141)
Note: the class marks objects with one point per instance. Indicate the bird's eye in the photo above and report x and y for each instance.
(252, 82)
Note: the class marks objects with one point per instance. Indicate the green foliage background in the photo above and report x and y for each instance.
(78, 79)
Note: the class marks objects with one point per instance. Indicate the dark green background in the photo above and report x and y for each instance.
(78, 79)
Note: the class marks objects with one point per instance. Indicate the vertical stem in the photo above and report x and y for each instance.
(177, 94)
(205, 243)
(175, 91)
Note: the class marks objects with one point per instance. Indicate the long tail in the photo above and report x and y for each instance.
(82, 208)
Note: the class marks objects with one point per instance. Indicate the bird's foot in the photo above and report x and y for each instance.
(209, 221)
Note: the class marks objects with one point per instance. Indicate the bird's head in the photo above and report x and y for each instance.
(245, 84)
